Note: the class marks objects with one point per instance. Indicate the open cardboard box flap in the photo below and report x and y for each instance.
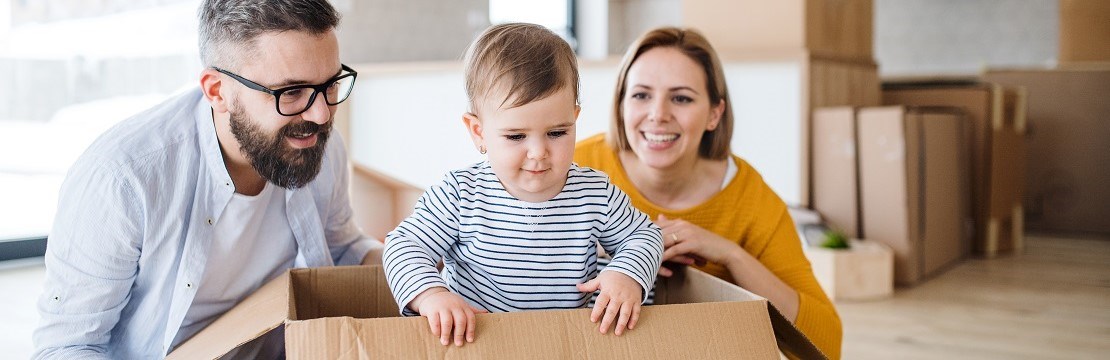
(349, 313)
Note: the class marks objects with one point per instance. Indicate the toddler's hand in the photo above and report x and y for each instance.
(448, 313)
(619, 300)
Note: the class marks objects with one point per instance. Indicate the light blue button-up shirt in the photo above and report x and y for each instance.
(134, 224)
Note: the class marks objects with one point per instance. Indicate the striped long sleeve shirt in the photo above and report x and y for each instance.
(504, 254)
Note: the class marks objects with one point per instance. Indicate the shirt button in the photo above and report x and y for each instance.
(209, 221)
(188, 285)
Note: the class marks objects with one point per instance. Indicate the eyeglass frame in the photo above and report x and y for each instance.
(316, 89)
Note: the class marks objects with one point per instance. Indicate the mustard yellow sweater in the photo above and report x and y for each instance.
(748, 212)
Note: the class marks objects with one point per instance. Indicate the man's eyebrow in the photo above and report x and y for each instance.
(294, 82)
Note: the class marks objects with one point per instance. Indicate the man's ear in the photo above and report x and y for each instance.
(474, 128)
(211, 86)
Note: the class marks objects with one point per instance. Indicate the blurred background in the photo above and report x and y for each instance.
(1014, 261)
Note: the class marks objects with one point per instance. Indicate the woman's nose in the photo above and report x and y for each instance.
(658, 110)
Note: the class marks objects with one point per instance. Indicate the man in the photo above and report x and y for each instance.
(173, 216)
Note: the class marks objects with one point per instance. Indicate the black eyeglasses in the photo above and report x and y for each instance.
(296, 99)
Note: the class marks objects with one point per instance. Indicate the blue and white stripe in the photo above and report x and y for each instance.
(503, 254)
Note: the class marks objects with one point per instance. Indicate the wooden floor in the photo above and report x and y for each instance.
(1052, 302)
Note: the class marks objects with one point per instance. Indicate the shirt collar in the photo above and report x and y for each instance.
(209, 143)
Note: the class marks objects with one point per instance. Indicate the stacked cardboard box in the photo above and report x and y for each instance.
(1084, 31)
(997, 119)
(349, 313)
(1068, 162)
(826, 49)
(864, 271)
(897, 176)
(836, 169)
(914, 186)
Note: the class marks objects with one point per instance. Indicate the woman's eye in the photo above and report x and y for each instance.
(639, 96)
(515, 137)
(556, 133)
(682, 99)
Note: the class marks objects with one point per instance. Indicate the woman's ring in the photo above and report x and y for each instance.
(675, 237)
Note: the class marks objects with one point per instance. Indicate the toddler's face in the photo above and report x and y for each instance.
(530, 147)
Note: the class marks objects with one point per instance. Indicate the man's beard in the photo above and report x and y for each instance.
(272, 157)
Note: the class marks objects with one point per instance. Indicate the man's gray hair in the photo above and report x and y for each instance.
(228, 28)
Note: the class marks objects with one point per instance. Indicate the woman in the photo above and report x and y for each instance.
(668, 149)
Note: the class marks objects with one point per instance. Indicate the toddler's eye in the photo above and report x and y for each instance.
(554, 134)
(515, 137)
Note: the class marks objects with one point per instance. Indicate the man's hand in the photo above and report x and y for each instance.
(619, 300)
(448, 314)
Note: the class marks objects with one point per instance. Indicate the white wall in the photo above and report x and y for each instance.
(964, 36)
(407, 122)
(408, 30)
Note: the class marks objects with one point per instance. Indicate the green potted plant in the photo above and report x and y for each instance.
(835, 239)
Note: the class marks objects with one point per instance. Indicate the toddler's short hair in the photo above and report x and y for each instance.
(528, 60)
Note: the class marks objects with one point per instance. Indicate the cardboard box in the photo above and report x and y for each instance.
(914, 186)
(864, 271)
(828, 29)
(1084, 31)
(835, 168)
(379, 202)
(995, 164)
(349, 313)
(1067, 160)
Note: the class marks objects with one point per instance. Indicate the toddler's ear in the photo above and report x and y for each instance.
(474, 128)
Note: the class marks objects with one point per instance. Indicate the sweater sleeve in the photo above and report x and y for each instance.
(635, 242)
(817, 318)
(419, 242)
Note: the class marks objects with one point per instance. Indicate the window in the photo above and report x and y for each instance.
(557, 15)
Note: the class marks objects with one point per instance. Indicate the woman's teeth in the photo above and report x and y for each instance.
(660, 137)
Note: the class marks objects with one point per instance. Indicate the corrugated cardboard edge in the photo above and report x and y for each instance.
(791, 341)
(549, 334)
(264, 310)
(270, 307)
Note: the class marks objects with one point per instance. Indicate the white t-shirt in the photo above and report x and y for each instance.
(252, 237)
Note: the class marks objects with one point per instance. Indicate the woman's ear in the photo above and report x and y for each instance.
(715, 114)
(210, 86)
(474, 128)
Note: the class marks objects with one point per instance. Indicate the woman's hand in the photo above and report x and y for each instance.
(689, 244)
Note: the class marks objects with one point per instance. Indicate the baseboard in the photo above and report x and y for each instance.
(22, 248)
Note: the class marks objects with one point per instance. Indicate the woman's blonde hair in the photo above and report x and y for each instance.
(534, 61)
(715, 143)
